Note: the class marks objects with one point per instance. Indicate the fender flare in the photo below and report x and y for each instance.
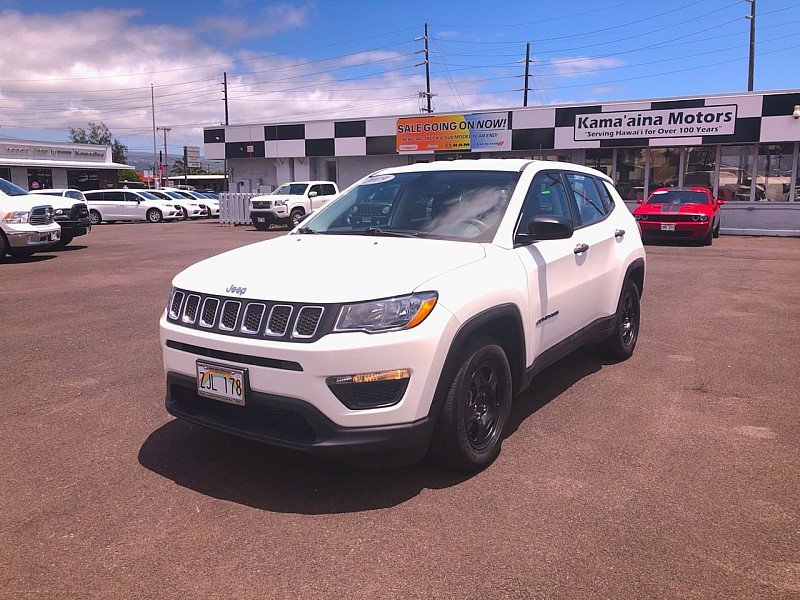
(469, 327)
(636, 264)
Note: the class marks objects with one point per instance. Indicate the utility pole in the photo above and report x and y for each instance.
(427, 62)
(752, 66)
(155, 151)
(166, 156)
(225, 93)
(185, 166)
(526, 87)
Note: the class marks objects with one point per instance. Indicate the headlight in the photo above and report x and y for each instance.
(16, 218)
(703, 218)
(279, 203)
(403, 312)
(61, 212)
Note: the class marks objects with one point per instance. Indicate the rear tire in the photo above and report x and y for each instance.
(95, 218)
(469, 430)
(622, 341)
(154, 215)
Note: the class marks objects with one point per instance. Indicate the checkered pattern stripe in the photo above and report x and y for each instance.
(759, 118)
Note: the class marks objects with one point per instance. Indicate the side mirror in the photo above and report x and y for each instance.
(312, 194)
(720, 201)
(547, 227)
(640, 201)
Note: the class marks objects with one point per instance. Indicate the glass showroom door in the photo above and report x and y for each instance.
(665, 166)
(700, 165)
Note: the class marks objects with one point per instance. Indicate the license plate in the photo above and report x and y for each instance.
(261, 219)
(668, 227)
(221, 383)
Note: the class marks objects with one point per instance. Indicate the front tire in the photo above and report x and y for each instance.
(184, 214)
(261, 226)
(469, 431)
(154, 215)
(65, 239)
(95, 218)
(295, 217)
(716, 230)
(622, 341)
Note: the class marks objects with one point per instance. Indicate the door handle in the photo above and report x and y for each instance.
(581, 248)
(619, 233)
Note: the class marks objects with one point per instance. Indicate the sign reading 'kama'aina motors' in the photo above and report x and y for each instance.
(663, 123)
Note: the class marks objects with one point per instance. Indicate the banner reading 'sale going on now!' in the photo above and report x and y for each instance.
(455, 133)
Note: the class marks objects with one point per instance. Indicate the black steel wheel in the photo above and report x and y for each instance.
(622, 341)
(469, 430)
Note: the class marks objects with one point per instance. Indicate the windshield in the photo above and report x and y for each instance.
(678, 197)
(175, 195)
(291, 189)
(459, 205)
(148, 195)
(9, 189)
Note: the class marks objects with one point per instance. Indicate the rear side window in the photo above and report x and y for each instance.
(546, 196)
(74, 195)
(317, 189)
(113, 196)
(328, 189)
(590, 208)
(608, 203)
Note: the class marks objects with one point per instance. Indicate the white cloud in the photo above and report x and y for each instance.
(268, 21)
(580, 65)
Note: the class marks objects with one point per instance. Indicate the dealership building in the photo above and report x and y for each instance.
(35, 165)
(744, 147)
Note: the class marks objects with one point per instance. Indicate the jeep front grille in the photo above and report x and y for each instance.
(230, 312)
(307, 321)
(282, 321)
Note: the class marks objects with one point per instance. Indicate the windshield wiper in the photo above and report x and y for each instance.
(305, 230)
(387, 232)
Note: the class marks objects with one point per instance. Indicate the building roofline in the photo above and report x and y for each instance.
(514, 108)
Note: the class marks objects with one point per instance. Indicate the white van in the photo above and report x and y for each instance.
(129, 205)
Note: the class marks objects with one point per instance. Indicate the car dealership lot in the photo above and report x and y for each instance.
(672, 474)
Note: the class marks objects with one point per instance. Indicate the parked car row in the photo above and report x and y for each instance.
(154, 206)
(40, 219)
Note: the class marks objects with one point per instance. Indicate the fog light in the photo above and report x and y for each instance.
(370, 390)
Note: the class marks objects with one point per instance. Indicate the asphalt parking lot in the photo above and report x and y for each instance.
(674, 474)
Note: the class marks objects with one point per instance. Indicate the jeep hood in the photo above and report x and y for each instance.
(328, 268)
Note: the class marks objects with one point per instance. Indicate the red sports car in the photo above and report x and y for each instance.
(680, 213)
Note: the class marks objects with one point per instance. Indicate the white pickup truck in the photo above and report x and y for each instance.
(290, 203)
(26, 222)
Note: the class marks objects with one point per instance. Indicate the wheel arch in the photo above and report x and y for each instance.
(635, 272)
(502, 323)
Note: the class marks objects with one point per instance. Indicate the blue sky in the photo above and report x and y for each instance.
(305, 59)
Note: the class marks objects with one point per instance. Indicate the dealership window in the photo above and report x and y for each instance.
(40, 179)
(330, 170)
(701, 165)
(84, 180)
(665, 164)
(735, 173)
(5, 173)
(630, 172)
(601, 159)
(774, 176)
(796, 195)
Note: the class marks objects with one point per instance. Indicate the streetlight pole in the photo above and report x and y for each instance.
(752, 65)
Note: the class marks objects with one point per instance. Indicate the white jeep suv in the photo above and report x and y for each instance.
(429, 296)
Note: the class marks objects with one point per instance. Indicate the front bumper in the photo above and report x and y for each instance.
(28, 236)
(691, 230)
(76, 228)
(292, 423)
(268, 216)
(422, 350)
